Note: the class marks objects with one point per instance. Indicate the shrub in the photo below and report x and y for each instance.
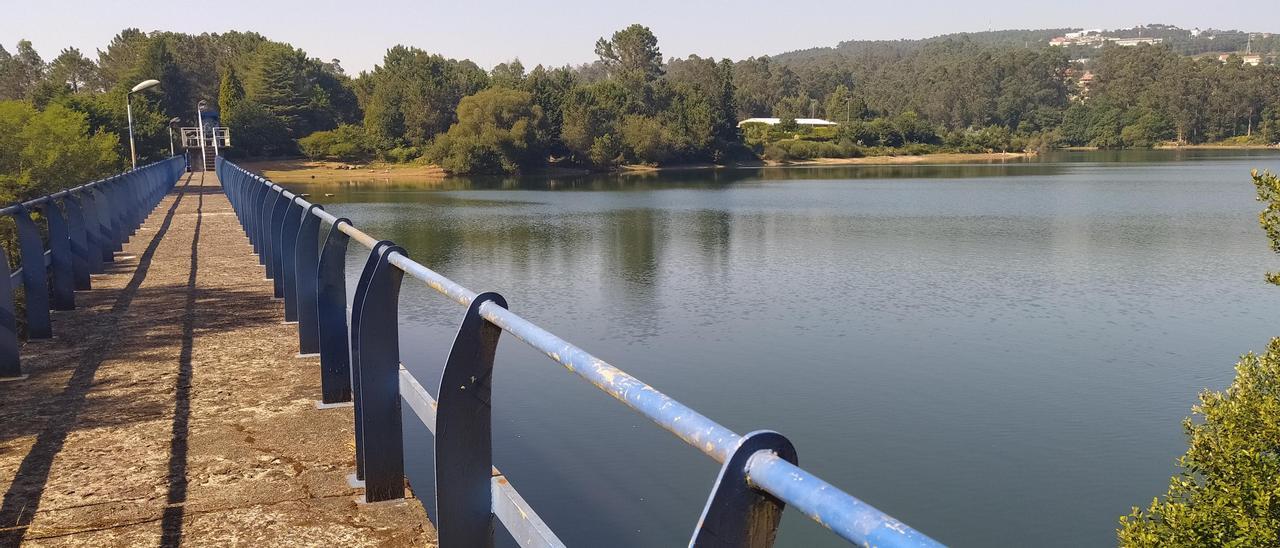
(1228, 492)
(346, 143)
(403, 154)
(498, 131)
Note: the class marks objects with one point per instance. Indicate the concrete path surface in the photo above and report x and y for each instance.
(169, 408)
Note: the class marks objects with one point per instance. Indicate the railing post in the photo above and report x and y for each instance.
(737, 514)
(275, 264)
(35, 288)
(288, 258)
(118, 213)
(357, 327)
(80, 257)
(10, 363)
(382, 444)
(254, 213)
(306, 271)
(331, 317)
(267, 205)
(92, 232)
(463, 437)
(64, 280)
(102, 205)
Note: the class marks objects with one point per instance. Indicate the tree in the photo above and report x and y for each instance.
(230, 91)
(507, 75)
(413, 95)
(277, 83)
(158, 63)
(631, 55)
(1226, 492)
(550, 90)
(20, 73)
(73, 69)
(46, 151)
(590, 126)
(498, 131)
(121, 57)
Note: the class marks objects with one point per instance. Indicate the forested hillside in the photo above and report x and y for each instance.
(992, 91)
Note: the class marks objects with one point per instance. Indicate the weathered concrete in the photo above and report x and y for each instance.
(170, 408)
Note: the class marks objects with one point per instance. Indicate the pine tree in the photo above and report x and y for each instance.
(230, 91)
(279, 85)
(73, 69)
(157, 63)
(121, 57)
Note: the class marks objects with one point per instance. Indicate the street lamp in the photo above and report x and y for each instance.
(128, 108)
(172, 122)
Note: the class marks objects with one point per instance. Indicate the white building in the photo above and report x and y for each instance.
(1135, 41)
(799, 121)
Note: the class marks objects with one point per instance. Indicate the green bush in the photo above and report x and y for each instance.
(403, 154)
(1228, 492)
(43, 151)
(345, 143)
(498, 131)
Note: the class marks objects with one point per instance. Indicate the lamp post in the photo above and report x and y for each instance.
(128, 108)
(172, 121)
(200, 124)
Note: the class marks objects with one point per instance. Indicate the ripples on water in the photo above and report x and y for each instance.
(995, 354)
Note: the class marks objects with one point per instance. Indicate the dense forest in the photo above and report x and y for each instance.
(997, 91)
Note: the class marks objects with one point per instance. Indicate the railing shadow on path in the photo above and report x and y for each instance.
(171, 522)
(22, 499)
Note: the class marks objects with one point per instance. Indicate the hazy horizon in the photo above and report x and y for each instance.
(495, 32)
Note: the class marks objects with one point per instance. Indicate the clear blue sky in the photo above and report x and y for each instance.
(564, 32)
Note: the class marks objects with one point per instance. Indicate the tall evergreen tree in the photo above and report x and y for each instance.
(74, 70)
(173, 98)
(277, 82)
(120, 58)
(21, 72)
(230, 91)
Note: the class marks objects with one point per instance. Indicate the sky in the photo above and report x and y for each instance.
(558, 33)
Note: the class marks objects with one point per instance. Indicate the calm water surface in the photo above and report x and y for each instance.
(995, 354)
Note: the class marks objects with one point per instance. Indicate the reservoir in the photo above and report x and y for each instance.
(995, 354)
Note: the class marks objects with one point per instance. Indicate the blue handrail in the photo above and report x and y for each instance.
(86, 225)
(361, 356)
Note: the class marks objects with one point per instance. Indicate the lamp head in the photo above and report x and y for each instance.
(145, 84)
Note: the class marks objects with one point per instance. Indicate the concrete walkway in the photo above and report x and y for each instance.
(170, 408)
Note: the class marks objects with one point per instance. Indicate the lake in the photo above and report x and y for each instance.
(994, 354)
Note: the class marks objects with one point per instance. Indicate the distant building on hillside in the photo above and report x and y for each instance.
(1084, 83)
(1251, 59)
(1135, 41)
(799, 121)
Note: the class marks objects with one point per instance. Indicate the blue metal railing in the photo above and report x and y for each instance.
(86, 225)
(359, 360)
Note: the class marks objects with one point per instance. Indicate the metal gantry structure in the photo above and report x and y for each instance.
(360, 361)
(84, 227)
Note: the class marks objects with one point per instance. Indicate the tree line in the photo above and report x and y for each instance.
(965, 93)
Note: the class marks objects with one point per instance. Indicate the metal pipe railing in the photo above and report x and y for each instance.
(85, 226)
(361, 356)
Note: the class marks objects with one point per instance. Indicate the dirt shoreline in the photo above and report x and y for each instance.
(326, 171)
